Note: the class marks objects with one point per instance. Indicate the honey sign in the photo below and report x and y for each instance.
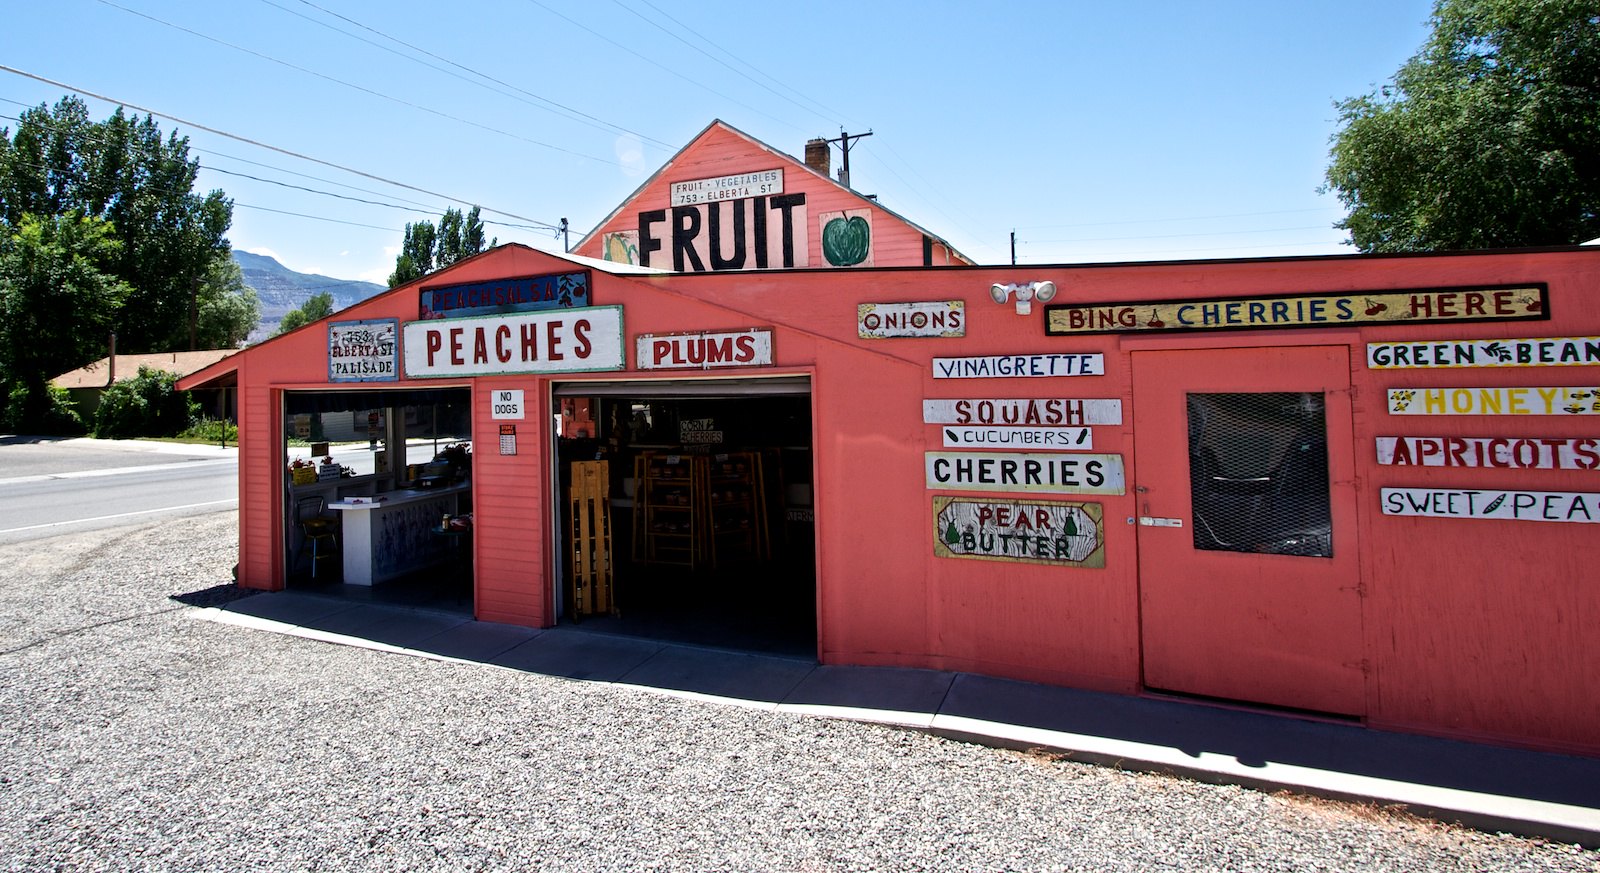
(1021, 531)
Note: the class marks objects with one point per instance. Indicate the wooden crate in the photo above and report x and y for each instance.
(589, 532)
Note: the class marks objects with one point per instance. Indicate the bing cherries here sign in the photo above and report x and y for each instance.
(565, 341)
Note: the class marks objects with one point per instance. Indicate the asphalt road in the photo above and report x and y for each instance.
(49, 487)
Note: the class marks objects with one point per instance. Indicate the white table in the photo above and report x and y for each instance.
(391, 534)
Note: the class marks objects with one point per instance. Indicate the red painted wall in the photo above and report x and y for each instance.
(722, 151)
(1473, 628)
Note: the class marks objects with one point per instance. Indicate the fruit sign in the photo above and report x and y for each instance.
(1021, 531)
(1521, 303)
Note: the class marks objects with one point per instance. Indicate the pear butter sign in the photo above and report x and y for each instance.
(1020, 531)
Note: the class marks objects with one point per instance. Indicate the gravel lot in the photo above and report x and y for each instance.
(134, 737)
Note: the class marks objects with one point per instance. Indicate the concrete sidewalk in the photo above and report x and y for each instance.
(1528, 793)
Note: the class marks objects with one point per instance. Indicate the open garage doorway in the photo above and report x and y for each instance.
(704, 491)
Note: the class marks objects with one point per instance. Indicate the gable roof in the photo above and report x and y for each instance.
(791, 161)
(100, 373)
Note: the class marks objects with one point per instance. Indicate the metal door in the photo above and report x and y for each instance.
(1249, 583)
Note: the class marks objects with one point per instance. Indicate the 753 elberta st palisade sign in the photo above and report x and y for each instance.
(364, 351)
(1422, 306)
(1021, 531)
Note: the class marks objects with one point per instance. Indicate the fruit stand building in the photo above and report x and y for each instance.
(1363, 487)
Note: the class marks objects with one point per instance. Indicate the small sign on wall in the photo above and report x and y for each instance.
(1506, 453)
(1016, 471)
(1494, 401)
(703, 351)
(1560, 351)
(1025, 411)
(1422, 306)
(363, 351)
(507, 403)
(1025, 366)
(508, 439)
(1024, 532)
(1050, 439)
(943, 318)
(1561, 506)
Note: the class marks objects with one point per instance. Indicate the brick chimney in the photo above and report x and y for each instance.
(818, 157)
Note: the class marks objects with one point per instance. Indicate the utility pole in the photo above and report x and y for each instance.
(845, 140)
(1013, 248)
(566, 240)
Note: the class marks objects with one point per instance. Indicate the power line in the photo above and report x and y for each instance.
(365, 90)
(574, 114)
(1176, 235)
(696, 47)
(661, 66)
(1160, 220)
(259, 144)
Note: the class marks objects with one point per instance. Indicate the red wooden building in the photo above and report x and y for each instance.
(1362, 486)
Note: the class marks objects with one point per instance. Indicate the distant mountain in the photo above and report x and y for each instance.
(282, 289)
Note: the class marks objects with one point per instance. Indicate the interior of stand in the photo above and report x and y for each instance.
(380, 443)
(710, 517)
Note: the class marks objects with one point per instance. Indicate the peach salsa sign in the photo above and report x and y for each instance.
(1521, 303)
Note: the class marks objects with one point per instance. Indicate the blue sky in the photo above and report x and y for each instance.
(1095, 131)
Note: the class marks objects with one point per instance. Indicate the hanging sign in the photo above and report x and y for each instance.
(569, 341)
(1022, 411)
(943, 318)
(1054, 439)
(1558, 351)
(363, 351)
(1016, 471)
(1501, 452)
(703, 351)
(1024, 532)
(1566, 506)
(1426, 306)
(1494, 401)
(502, 296)
(992, 366)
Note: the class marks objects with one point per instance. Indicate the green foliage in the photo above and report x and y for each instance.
(58, 303)
(121, 170)
(426, 248)
(212, 430)
(1489, 136)
(55, 416)
(316, 307)
(227, 309)
(149, 404)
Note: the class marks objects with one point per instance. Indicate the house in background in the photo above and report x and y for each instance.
(85, 383)
(728, 201)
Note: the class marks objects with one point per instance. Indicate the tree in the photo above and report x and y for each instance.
(58, 304)
(122, 171)
(1489, 136)
(426, 248)
(317, 307)
(226, 309)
